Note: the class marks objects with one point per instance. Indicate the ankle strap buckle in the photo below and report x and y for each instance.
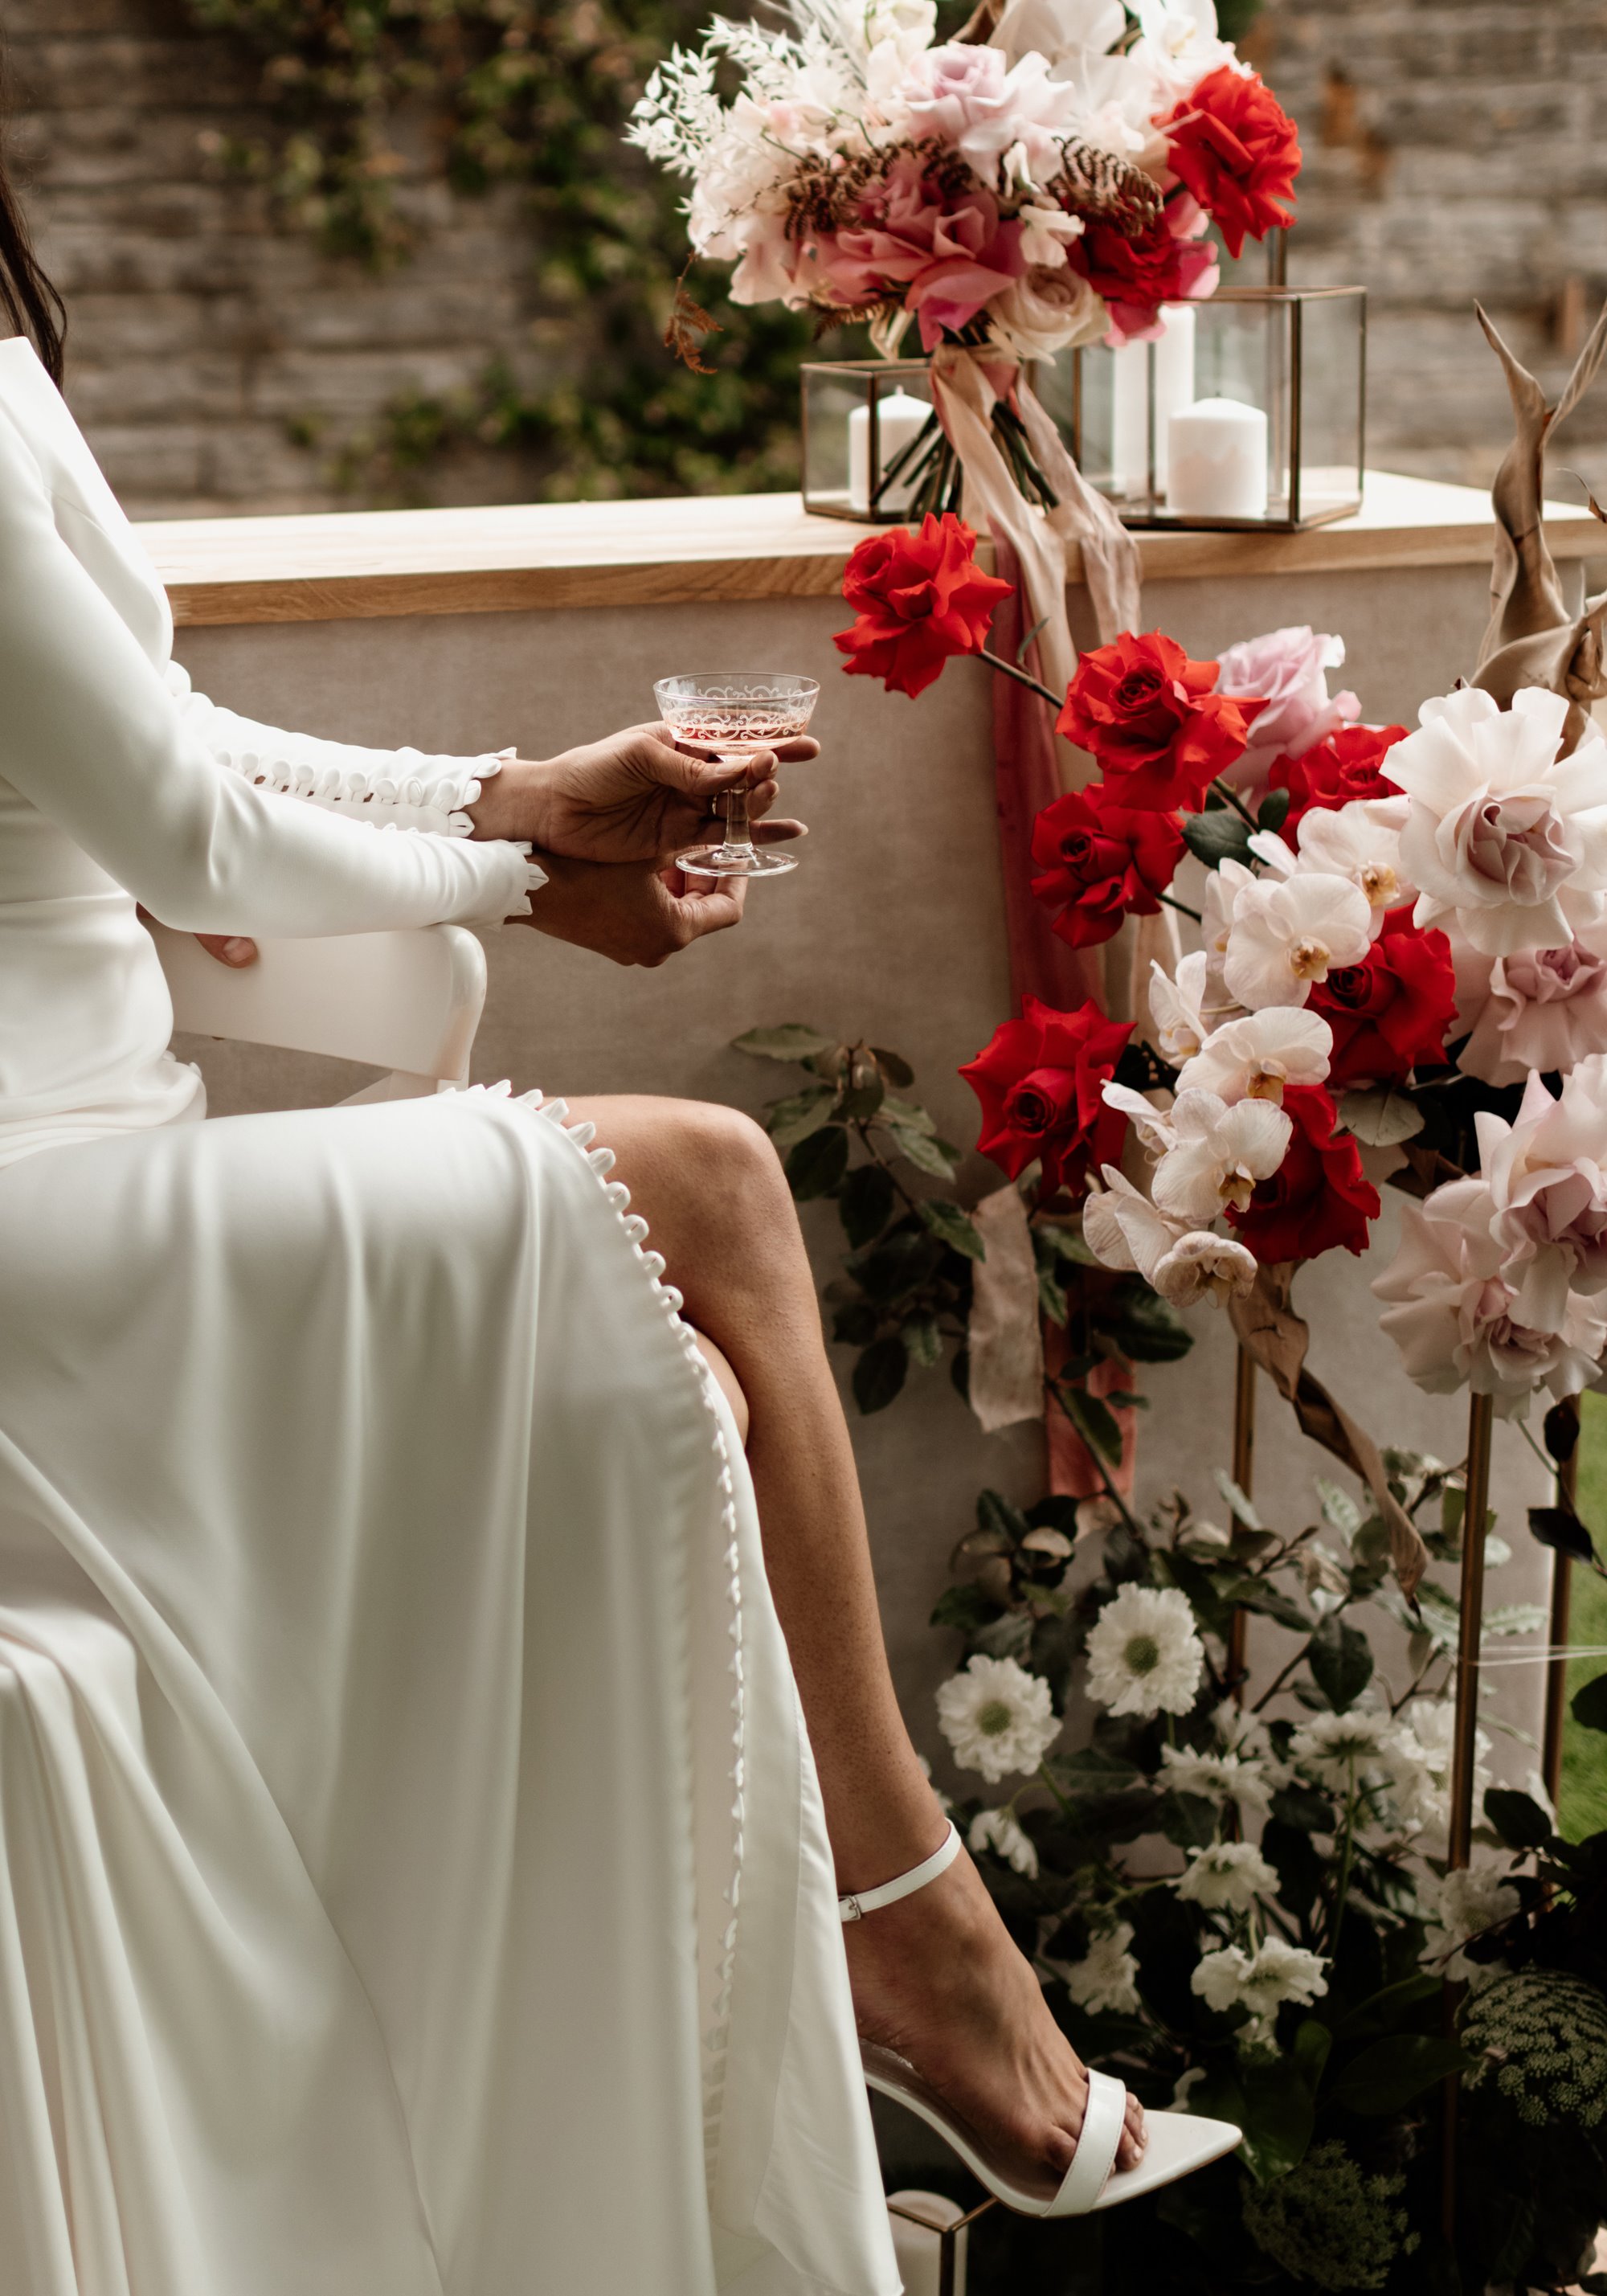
(903, 1885)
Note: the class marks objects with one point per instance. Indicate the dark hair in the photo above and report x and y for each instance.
(31, 303)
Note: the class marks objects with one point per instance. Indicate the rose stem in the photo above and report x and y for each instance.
(1021, 677)
(1181, 906)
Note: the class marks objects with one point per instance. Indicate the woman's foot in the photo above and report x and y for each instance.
(937, 1978)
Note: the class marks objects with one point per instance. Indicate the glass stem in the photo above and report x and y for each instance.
(738, 836)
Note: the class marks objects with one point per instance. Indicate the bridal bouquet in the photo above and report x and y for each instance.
(1044, 180)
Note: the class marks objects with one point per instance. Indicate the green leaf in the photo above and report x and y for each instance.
(1216, 836)
(789, 1122)
(1279, 2113)
(923, 1340)
(1261, 1595)
(1589, 1704)
(1092, 1422)
(953, 1227)
(1388, 2074)
(1561, 1429)
(1560, 1528)
(1144, 1326)
(1517, 1817)
(1052, 1298)
(817, 1165)
(965, 1608)
(861, 1102)
(1273, 811)
(1238, 1501)
(1340, 1509)
(1380, 1119)
(879, 1374)
(894, 1068)
(855, 1324)
(908, 1113)
(794, 1042)
(865, 1202)
(925, 1153)
(900, 1264)
(1340, 1659)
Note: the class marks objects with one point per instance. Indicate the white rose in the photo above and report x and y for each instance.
(1048, 310)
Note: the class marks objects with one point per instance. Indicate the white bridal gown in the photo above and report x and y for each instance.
(412, 1873)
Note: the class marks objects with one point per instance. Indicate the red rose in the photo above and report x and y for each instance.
(1100, 862)
(1148, 714)
(1038, 1081)
(1336, 772)
(1317, 1197)
(1391, 1010)
(1238, 151)
(918, 598)
(1136, 275)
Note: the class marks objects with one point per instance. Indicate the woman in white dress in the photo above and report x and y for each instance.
(413, 1879)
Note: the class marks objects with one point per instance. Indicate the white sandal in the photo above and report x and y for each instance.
(1178, 2142)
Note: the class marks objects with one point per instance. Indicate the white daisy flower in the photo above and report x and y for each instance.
(1144, 1656)
(997, 1718)
(1242, 1780)
(1463, 1905)
(1419, 1764)
(996, 1830)
(1288, 933)
(1229, 1876)
(1254, 1057)
(1340, 1749)
(1218, 1156)
(1262, 1981)
(1106, 1977)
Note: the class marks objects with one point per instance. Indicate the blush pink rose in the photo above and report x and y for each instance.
(1290, 668)
(949, 258)
(1543, 1008)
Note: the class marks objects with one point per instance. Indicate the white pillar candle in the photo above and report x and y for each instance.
(1174, 387)
(900, 421)
(1217, 455)
(919, 2247)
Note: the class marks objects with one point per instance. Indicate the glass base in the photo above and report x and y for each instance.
(735, 861)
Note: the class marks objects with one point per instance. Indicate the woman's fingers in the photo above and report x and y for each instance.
(778, 832)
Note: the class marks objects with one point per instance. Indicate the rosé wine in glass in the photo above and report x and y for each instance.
(733, 714)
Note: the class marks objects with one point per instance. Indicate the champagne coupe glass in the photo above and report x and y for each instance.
(732, 715)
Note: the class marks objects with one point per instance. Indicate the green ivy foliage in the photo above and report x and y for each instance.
(535, 93)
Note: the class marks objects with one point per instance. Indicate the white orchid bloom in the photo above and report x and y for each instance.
(1284, 936)
(1153, 1126)
(1360, 841)
(1177, 40)
(1057, 29)
(1175, 1008)
(1220, 1155)
(1502, 834)
(1253, 1058)
(1204, 1265)
(1122, 1228)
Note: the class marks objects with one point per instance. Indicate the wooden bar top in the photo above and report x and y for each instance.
(366, 565)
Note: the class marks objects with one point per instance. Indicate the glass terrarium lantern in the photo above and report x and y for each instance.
(1247, 412)
(869, 431)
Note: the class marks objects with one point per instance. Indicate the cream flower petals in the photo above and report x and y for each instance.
(1217, 1155)
(997, 1718)
(1228, 1877)
(1254, 1057)
(1123, 1229)
(1286, 934)
(1262, 1981)
(1106, 1977)
(1175, 1003)
(1144, 1656)
(1546, 1174)
(1203, 1266)
(1501, 831)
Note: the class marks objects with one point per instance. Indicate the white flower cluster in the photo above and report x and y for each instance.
(1144, 1655)
(997, 1718)
(1262, 1981)
(1462, 1904)
(1106, 1981)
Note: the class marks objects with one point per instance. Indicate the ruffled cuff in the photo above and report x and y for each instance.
(509, 897)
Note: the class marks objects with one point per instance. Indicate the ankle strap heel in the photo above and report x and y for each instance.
(903, 1885)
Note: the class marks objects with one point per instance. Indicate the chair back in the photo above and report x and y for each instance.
(407, 1001)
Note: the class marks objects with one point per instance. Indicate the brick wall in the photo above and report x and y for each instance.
(1454, 148)
(200, 337)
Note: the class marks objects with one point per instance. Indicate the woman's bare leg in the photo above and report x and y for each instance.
(937, 1975)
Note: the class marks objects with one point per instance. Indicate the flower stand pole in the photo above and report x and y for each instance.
(1556, 1664)
(1459, 1834)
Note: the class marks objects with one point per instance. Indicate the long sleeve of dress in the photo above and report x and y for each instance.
(92, 736)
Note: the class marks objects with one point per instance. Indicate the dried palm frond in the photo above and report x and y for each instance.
(1109, 188)
(1532, 639)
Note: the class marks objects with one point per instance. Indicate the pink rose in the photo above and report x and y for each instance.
(949, 258)
(1288, 667)
(965, 98)
(1543, 1008)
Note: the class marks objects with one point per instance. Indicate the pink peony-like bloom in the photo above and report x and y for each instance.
(1503, 834)
(1545, 1178)
(963, 96)
(949, 258)
(1543, 1008)
(1454, 1319)
(1290, 668)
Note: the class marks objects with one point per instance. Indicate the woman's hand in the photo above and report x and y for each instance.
(633, 913)
(633, 797)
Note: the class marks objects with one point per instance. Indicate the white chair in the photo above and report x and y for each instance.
(406, 1001)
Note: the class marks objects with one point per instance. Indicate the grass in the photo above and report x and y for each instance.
(1582, 1801)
